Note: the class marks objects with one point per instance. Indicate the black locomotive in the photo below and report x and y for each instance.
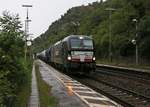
(75, 54)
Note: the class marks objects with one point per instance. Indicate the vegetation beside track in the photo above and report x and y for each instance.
(93, 19)
(45, 96)
(25, 90)
(15, 71)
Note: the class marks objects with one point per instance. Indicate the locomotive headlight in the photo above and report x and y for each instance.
(80, 37)
(94, 58)
(69, 58)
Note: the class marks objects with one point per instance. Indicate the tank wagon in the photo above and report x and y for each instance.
(75, 54)
(42, 55)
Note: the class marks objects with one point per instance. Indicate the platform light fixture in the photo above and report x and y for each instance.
(110, 29)
(134, 41)
(26, 29)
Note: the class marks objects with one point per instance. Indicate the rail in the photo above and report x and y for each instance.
(129, 87)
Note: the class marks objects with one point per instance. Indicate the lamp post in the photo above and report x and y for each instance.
(110, 38)
(26, 30)
(135, 42)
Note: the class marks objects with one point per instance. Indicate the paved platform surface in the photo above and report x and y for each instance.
(125, 68)
(71, 93)
(34, 98)
(58, 90)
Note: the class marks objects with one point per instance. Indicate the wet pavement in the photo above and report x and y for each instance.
(67, 91)
(34, 98)
(64, 98)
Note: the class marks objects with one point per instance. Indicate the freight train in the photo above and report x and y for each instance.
(74, 54)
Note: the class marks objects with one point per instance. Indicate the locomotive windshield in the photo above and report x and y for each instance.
(81, 43)
(88, 44)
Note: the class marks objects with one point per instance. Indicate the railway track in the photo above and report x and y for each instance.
(141, 76)
(136, 81)
(125, 88)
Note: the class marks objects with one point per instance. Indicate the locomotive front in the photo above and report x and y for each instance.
(81, 54)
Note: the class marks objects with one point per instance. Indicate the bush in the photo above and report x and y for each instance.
(13, 69)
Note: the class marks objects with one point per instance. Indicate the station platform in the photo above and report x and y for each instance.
(125, 68)
(71, 93)
(34, 97)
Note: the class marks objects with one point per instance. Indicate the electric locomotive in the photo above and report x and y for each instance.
(75, 54)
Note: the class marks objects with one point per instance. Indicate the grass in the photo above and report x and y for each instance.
(23, 94)
(46, 98)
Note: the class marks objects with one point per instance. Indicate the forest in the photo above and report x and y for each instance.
(125, 22)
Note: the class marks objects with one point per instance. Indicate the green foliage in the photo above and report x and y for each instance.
(25, 88)
(94, 20)
(46, 98)
(13, 73)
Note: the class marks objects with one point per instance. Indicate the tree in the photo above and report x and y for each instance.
(12, 71)
(94, 20)
(11, 37)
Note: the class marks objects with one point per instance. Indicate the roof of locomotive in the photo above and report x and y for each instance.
(58, 42)
(76, 37)
(42, 53)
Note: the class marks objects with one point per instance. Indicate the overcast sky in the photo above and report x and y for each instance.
(43, 12)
